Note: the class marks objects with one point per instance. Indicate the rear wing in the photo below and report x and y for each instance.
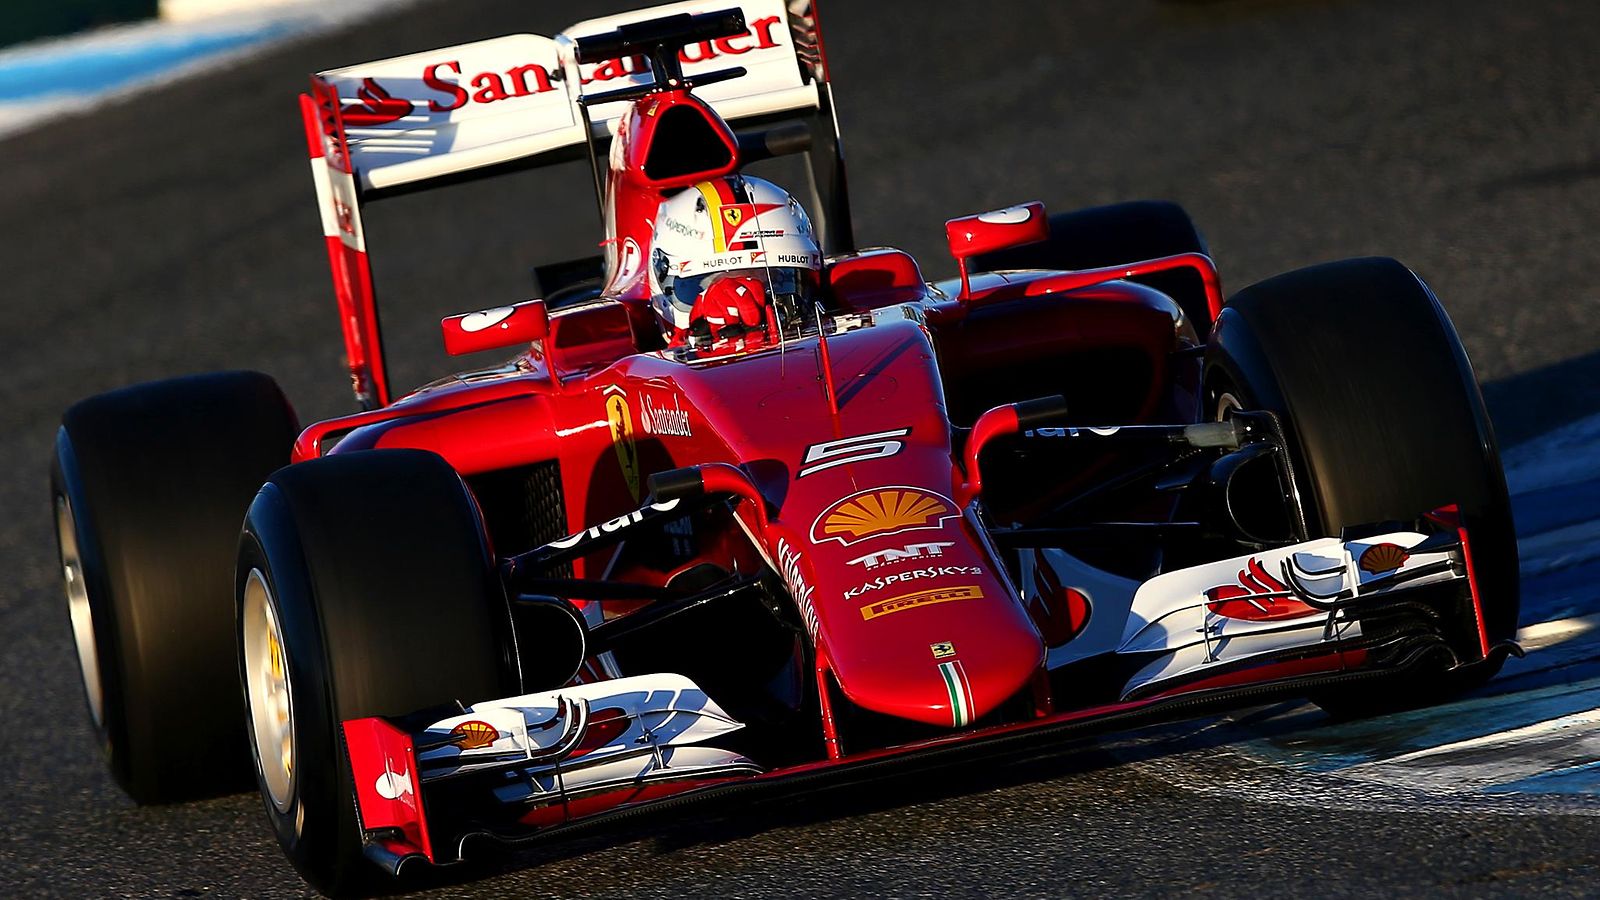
(473, 110)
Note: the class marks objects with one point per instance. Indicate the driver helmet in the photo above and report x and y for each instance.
(735, 227)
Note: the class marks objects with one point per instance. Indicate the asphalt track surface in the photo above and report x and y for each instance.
(176, 233)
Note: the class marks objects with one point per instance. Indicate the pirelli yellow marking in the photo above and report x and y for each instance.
(920, 598)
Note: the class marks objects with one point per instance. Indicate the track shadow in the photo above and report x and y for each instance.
(726, 820)
(716, 821)
(1528, 404)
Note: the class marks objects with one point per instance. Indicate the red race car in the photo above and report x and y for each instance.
(750, 506)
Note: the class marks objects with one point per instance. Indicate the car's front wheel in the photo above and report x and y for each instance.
(365, 588)
(1386, 423)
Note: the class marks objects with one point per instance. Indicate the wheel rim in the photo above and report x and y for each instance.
(78, 608)
(267, 682)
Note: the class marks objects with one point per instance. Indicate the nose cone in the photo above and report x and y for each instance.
(948, 658)
(916, 620)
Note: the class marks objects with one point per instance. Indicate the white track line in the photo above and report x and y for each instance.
(1548, 634)
(1563, 743)
(288, 21)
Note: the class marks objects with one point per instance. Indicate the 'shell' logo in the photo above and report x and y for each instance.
(1381, 558)
(885, 511)
(376, 106)
(474, 735)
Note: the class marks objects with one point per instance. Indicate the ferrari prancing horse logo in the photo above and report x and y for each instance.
(727, 215)
(621, 419)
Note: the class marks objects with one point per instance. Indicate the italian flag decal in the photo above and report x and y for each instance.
(955, 681)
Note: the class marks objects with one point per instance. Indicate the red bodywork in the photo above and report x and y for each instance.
(764, 410)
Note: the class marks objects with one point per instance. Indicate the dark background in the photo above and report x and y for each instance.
(176, 232)
(25, 20)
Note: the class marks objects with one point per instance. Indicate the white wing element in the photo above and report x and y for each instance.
(585, 737)
(1272, 600)
(415, 117)
(609, 773)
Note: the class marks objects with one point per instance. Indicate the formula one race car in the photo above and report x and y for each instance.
(751, 506)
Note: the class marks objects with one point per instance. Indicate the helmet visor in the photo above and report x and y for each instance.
(798, 283)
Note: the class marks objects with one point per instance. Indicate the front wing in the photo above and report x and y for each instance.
(1274, 623)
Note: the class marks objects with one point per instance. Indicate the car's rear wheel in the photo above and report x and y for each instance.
(1386, 423)
(365, 588)
(149, 485)
(1115, 234)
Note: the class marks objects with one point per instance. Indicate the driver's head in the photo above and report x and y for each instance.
(740, 230)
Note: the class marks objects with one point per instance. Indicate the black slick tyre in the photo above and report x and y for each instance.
(1120, 233)
(365, 588)
(149, 484)
(1386, 423)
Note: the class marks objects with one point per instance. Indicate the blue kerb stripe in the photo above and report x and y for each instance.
(91, 70)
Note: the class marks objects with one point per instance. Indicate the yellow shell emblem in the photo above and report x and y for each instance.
(474, 735)
(881, 511)
(1381, 558)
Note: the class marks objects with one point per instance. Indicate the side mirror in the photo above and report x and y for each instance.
(489, 329)
(998, 229)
